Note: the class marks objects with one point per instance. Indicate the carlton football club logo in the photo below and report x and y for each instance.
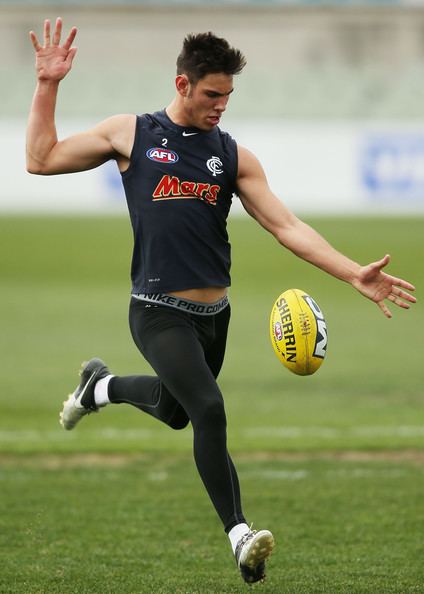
(162, 155)
(214, 165)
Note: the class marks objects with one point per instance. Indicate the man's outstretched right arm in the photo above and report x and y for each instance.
(46, 155)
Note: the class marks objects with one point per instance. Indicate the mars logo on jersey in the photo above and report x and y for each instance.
(162, 155)
(171, 187)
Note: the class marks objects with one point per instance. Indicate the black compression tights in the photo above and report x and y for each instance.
(186, 351)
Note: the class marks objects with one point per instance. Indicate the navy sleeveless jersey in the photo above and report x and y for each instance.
(179, 188)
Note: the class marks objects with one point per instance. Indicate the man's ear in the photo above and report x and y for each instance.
(182, 85)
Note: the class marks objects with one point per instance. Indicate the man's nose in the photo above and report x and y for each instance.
(221, 104)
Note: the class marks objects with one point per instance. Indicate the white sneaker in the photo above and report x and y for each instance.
(81, 401)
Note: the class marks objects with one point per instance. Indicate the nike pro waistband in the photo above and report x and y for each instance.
(196, 307)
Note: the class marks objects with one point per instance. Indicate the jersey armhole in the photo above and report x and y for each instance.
(236, 159)
(135, 148)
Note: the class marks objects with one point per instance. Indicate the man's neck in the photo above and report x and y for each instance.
(176, 114)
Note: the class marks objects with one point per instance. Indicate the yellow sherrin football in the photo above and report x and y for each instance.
(298, 332)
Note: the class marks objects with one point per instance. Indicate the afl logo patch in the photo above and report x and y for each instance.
(162, 155)
(278, 331)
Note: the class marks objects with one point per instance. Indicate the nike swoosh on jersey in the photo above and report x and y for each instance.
(189, 133)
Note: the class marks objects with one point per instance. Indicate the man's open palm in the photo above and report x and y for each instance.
(378, 286)
(53, 61)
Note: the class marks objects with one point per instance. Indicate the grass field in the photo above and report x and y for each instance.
(333, 463)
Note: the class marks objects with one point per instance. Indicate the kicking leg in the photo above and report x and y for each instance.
(148, 394)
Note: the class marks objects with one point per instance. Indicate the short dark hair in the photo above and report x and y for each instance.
(205, 53)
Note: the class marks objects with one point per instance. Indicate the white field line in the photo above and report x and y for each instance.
(285, 432)
(336, 433)
(279, 475)
(34, 435)
(300, 474)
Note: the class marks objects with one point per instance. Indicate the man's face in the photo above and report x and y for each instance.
(206, 100)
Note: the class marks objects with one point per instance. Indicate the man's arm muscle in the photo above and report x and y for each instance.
(305, 242)
(112, 138)
(260, 202)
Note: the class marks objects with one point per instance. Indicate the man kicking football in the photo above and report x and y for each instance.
(180, 171)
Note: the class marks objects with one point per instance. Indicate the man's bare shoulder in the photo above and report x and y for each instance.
(248, 163)
(118, 122)
(120, 131)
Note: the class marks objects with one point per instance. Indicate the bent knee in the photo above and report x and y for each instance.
(178, 423)
(212, 414)
(179, 419)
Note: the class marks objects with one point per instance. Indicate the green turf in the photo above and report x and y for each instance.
(340, 453)
(145, 526)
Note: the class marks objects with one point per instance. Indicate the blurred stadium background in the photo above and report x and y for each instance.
(332, 99)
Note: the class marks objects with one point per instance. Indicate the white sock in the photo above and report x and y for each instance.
(101, 397)
(236, 533)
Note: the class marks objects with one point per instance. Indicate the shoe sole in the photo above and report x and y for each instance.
(259, 550)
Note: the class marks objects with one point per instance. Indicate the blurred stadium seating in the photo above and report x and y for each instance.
(343, 60)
